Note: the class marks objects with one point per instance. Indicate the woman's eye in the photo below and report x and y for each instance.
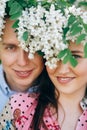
(77, 56)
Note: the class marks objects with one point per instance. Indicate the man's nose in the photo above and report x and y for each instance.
(22, 58)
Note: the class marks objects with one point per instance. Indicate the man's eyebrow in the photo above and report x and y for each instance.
(4, 43)
(8, 43)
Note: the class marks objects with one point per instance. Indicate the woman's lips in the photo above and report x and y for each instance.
(64, 80)
(23, 74)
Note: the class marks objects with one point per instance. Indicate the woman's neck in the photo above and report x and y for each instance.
(68, 100)
(69, 109)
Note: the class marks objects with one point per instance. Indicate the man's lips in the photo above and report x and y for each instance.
(23, 74)
(64, 80)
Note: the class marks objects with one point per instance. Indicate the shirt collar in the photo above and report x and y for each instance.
(3, 85)
(83, 103)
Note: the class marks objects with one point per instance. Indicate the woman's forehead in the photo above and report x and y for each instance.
(74, 46)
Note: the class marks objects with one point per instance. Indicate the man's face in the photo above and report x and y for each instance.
(20, 71)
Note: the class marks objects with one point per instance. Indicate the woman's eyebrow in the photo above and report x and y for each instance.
(76, 51)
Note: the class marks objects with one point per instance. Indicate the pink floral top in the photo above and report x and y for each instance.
(18, 114)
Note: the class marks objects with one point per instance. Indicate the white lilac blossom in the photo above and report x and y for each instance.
(45, 30)
(2, 14)
(53, 38)
(42, 29)
(44, 35)
(32, 22)
(77, 12)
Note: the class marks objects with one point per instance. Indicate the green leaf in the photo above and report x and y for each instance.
(25, 35)
(10, 2)
(67, 56)
(76, 31)
(15, 16)
(73, 61)
(74, 25)
(31, 3)
(15, 8)
(40, 53)
(71, 19)
(83, 3)
(65, 30)
(85, 50)
(45, 4)
(60, 4)
(85, 27)
(15, 25)
(23, 3)
(62, 53)
(80, 38)
(71, 1)
(66, 59)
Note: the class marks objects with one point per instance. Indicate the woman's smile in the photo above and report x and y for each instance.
(64, 80)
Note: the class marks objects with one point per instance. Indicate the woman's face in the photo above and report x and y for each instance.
(68, 79)
(19, 69)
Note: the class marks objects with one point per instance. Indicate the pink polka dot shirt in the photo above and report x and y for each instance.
(19, 111)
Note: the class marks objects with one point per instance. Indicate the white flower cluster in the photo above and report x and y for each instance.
(76, 12)
(53, 38)
(2, 14)
(45, 32)
(32, 22)
(41, 29)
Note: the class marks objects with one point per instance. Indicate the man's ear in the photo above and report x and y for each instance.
(0, 57)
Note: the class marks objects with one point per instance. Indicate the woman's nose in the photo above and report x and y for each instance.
(63, 68)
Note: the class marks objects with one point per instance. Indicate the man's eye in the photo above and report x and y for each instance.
(11, 47)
